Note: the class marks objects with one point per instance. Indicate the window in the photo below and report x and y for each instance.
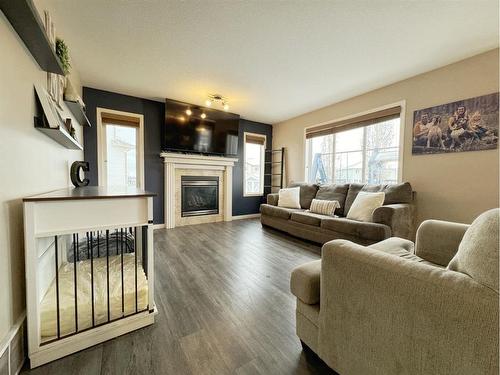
(120, 148)
(121, 155)
(254, 155)
(362, 152)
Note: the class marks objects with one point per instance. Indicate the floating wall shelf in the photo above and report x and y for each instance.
(61, 136)
(24, 18)
(78, 112)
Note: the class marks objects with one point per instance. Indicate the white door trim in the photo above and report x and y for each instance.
(101, 151)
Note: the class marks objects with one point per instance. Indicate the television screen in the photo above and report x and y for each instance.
(186, 131)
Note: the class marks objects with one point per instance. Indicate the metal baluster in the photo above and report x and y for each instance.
(98, 237)
(107, 271)
(121, 255)
(92, 281)
(74, 280)
(135, 269)
(88, 251)
(57, 290)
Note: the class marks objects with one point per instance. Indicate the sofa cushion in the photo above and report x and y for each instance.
(364, 205)
(477, 255)
(324, 207)
(367, 231)
(394, 245)
(308, 218)
(401, 248)
(305, 281)
(279, 212)
(272, 199)
(334, 192)
(289, 198)
(398, 193)
(307, 193)
(352, 193)
(394, 193)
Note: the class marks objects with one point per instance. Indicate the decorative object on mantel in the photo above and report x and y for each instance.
(77, 168)
(217, 98)
(465, 125)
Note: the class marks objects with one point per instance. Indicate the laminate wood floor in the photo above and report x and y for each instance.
(224, 307)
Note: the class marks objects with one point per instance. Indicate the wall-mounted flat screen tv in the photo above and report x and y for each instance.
(194, 129)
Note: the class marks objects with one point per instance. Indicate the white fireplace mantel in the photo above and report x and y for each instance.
(173, 161)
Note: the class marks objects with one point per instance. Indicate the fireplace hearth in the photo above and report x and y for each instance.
(199, 195)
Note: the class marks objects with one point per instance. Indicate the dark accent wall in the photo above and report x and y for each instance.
(154, 113)
(154, 117)
(248, 205)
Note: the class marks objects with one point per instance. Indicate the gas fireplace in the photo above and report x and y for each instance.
(199, 195)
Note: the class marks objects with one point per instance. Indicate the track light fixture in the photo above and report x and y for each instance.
(219, 99)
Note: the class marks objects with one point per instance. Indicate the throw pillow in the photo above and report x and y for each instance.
(324, 207)
(289, 198)
(477, 255)
(363, 206)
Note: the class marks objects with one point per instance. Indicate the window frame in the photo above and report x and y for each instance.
(262, 167)
(402, 125)
(134, 118)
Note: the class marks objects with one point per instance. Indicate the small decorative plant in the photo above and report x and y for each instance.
(63, 55)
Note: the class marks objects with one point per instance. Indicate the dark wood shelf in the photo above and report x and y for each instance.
(77, 111)
(61, 136)
(24, 18)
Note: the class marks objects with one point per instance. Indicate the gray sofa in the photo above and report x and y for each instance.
(395, 218)
(395, 308)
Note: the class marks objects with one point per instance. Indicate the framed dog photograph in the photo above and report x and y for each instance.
(464, 125)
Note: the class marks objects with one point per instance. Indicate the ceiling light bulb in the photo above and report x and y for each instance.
(188, 112)
(203, 115)
(226, 107)
(208, 102)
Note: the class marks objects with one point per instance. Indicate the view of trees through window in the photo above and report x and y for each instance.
(367, 154)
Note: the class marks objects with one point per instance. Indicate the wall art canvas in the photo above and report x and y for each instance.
(464, 125)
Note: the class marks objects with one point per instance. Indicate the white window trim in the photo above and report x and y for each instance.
(402, 126)
(101, 147)
(262, 169)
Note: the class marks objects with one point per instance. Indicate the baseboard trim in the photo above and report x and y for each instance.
(158, 226)
(6, 344)
(242, 217)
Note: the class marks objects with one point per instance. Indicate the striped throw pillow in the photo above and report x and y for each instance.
(323, 207)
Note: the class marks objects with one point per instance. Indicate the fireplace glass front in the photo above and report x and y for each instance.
(199, 195)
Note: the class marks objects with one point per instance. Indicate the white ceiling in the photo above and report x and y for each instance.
(273, 59)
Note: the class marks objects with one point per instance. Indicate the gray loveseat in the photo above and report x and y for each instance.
(394, 219)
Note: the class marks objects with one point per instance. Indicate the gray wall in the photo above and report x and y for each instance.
(248, 205)
(154, 113)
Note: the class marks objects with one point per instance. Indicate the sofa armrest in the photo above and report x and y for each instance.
(405, 316)
(304, 282)
(272, 199)
(438, 241)
(399, 217)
